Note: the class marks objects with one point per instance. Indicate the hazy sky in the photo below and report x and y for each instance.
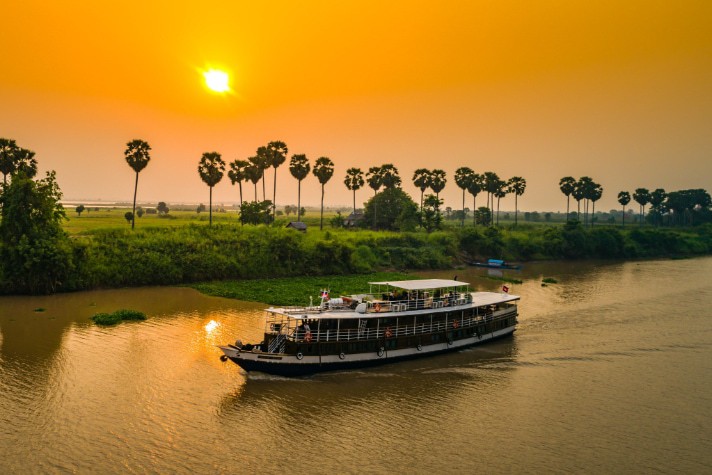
(617, 90)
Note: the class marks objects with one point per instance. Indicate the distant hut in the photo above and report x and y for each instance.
(353, 220)
(298, 225)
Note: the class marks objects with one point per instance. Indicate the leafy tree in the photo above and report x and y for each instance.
(354, 181)
(238, 174)
(201, 208)
(396, 210)
(256, 212)
(129, 216)
(474, 187)
(584, 189)
(642, 197)
(516, 185)
(277, 153)
(79, 209)
(211, 169)
(162, 208)
(35, 252)
(139, 212)
(483, 216)
(299, 167)
(437, 181)
(624, 199)
(421, 179)
(323, 171)
(567, 185)
(137, 155)
(463, 178)
(430, 217)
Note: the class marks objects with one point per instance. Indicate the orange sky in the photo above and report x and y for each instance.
(617, 90)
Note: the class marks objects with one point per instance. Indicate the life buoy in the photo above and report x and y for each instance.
(342, 355)
(300, 355)
(449, 342)
(419, 347)
(381, 351)
(377, 307)
(308, 337)
(455, 324)
(389, 332)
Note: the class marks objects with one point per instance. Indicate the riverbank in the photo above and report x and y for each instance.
(111, 258)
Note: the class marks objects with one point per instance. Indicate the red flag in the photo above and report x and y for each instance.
(505, 289)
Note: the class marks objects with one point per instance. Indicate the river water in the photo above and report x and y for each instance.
(610, 371)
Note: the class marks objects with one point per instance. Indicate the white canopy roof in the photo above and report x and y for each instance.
(424, 284)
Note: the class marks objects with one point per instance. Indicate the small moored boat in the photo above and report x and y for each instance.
(497, 264)
(394, 321)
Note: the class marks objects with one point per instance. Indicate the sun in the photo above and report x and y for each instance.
(216, 80)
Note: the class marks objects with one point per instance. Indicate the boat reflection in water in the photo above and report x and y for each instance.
(394, 321)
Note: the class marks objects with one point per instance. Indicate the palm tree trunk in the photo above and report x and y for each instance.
(623, 215)
(567, 208)
(274, 195)
(474, 210)
(133, 215)
(354, 202)
(239, 183)
(255, 192)
(516, 208)
(299, 199)
(264, 193)
(462, 225)
(321, 218)
(211, 206)
(497, 210)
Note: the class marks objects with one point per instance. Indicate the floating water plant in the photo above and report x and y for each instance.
(117, 317)
(549, 280)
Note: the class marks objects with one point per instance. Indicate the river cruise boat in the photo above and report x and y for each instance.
(393, 322)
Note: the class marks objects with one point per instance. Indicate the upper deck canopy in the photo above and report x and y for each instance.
(423, 284)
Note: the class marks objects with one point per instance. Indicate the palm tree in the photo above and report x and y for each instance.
(463, 177)
(354, 181)
(624, 199)
(137, 156)
(595, 195)
(8, 148)
(238, 174)
(642, 197)
(253, 173)
(277, 151)
(375, 181)
(474, 188)
(421, 179)
(657, 198)
(323, 171)
(437, 181)
(211, 168)
(491, 182)
(299, 168)
(262, 161)
(579, 193)
(25, 162)
(389, 176)
(500, 192)
(516, 185)
(567, 185)
(585, 187)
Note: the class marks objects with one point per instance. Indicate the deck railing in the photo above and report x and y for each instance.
(375, 305)
(392, 331)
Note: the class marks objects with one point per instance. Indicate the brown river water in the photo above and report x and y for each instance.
(610, 371)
